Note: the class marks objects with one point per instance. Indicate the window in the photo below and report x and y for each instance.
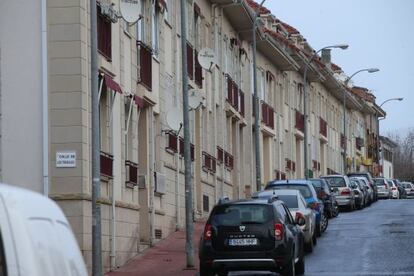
(141, 23)
(104, 35)
(236, 215)
(168, 12)
(206, 204)
(154, 28)
(128, 108)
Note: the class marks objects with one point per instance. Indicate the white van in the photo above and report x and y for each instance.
(35, 236)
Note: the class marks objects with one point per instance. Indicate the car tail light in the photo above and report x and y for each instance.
(393, 188)
(208, 230)
(412, 190)
(346, 192)
(278, 231)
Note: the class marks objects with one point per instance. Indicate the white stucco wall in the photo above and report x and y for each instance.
(20, 91)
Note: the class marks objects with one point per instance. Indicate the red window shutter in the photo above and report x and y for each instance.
(241, 103)
(264, 112)
(172, 142)
(229, 90)
(106, 161)
(213, 164)
(283, 176)
(235, 102)
(145, 55)
(293, 166)
(190, 61)
(271, 118)
(104, 35)
(198, 72)
(181, 146)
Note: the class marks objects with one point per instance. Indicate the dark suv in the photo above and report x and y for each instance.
(253, 234)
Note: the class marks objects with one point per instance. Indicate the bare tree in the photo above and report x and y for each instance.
(403, 156)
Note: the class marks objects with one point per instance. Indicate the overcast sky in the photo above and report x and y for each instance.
(380, 33)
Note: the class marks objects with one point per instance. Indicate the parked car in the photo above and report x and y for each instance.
(395, 193)
(35, 236)
(252, 234)
(297, 207)
(359, 193)
(370, 180)
(401, 189)
(341, 187)
(309, 193)
(324, 193)
(370, 191)
(384, 191)
(409, 188)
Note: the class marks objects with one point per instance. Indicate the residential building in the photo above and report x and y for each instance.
(387, 147)
(142, 166)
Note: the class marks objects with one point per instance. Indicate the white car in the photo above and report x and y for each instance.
(395, 194)
(35, 236)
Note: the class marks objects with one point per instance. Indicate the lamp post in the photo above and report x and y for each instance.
(256, 104)
(305, 108)
(391, 99)
(369, 70)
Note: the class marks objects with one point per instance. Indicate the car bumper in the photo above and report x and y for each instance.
(383, 194)
(344, 201)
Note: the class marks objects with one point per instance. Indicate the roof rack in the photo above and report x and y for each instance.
(223, 200)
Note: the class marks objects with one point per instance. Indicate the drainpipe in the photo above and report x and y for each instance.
(177, 184)
(152, 176)
(45, 102)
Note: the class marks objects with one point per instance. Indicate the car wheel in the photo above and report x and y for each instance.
(300, 265)
(324, 223)
(309, 246)
(289, 269)
(204, 271)
(318, 230)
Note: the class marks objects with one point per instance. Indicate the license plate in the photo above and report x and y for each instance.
(242, 242)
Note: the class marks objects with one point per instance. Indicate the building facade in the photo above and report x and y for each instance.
(387, 157)
(142, 166)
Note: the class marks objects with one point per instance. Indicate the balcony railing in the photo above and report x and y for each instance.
(106, 164)
(209, 162)
(299, 121)
(228, 160)
(323, 127)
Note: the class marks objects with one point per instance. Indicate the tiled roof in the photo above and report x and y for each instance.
(336, 67)
(363, 93)
(254, 5)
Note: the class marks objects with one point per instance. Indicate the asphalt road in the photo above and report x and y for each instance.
(375, 241)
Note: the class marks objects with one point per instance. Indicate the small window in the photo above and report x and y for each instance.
(206, 205)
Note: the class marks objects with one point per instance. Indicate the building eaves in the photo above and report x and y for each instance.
(388, 141)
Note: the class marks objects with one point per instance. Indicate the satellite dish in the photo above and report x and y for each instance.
(130, 10)
(206, 58)
(195, 99)
(174, 119)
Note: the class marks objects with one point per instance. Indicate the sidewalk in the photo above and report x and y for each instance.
(166, 258)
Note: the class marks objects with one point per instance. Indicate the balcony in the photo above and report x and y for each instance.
(106, 165)
(299, 121)
(228, 161)
(235, 97)
(209, 162)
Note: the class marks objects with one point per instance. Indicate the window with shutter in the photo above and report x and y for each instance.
(145, 65)
(190, 61)
(104, 35)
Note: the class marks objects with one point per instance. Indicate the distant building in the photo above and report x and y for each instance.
(387, 157)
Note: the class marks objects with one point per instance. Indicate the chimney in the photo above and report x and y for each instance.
(326, 56)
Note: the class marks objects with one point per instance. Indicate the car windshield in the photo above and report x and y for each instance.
(390, 183)
(336, 181)
(317, 184)
(291, 201)
(233, 215)
(303, 189)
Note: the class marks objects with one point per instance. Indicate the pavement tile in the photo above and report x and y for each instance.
(167, 257)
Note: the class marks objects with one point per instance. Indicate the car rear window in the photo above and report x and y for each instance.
(291, 201)
(379, 182)
(233, 215)
(336, 181)
(406, 185)
(303, 189)
(317, 184)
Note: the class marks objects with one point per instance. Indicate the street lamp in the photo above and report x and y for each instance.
(305, 111)
(256, 104)
(392, 99)
(369, 70)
